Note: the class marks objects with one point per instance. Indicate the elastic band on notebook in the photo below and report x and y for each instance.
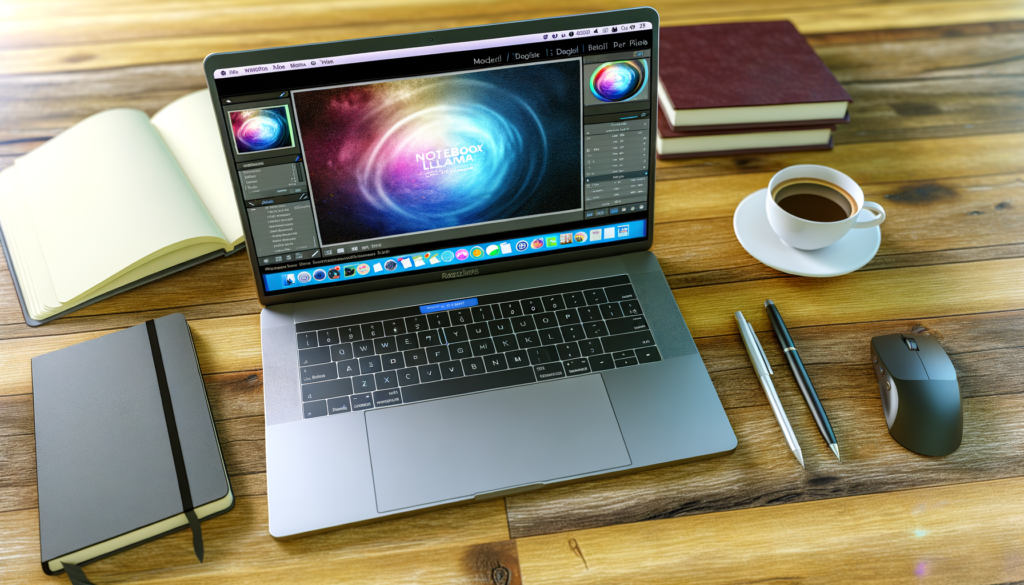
(172, 432)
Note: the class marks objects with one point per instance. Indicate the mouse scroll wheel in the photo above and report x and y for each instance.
(911, 344)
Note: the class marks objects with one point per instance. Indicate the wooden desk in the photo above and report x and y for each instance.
(936, 136)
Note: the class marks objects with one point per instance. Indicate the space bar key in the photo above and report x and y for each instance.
(457, 386)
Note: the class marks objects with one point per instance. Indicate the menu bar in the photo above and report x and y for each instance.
(430, 50)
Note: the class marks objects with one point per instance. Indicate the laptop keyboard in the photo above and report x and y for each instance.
(399, 356)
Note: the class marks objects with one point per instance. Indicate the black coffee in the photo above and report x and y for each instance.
(814, 201)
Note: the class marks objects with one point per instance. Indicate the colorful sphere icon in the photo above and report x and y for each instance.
(319, 274)
(363, 269)
(447, 256)
(461, 254)
(619, 81)
(580, 237)
(537, 243)
(477, 252)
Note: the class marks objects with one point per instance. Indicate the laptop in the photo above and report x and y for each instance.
(450, 234)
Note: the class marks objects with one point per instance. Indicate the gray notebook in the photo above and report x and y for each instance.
(125, 442)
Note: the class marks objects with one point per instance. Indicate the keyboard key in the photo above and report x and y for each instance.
(341, 352)
(339, 405)
(438, 354)
(387, 397)
(385, 380)
(517, 359)
(362, 401)
(406, 341)
(370, 365)
(439, 320)
(384, 345)
(408, 377)
(430, 373)
(620, 293)
(532, 306)
(478, 331)
(577, 367)
(568, 351)
(595, 329)
(394, 326)
(350, 333)
(627, 325)
(451, 370)
(307, 340)
(469, 384)
(588, 314)
(319, 373)
(589, 347)
(454, 334)
(328, 389)
(567, 317)
(542, 355)
(495, 363)
(573, 333)
(595, 296)
(626, 362)
(611, 311)
(648, 354)
(512, 309)
(550, 336)
(528, 339)
(429, 338)
(574, 299)
(415, 357)
(505, 343)
(549, 371)
(415, 324)
(482, 313)
(364, 383)
(546, 320)
(460, 350)
(553, 302)
(393, 361)
(473, 366)
(362, 348)
(524, 323)
(631, 308)
(601, 362)
(500, 327)
(372, 330)
(348, 368)
(327, 336)
(482, 346)
(618, 355)
(314, 409)
(461, 316)
(314, 355)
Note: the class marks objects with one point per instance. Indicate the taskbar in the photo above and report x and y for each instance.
(452, 257)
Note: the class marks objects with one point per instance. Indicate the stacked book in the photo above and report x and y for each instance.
(744, 88)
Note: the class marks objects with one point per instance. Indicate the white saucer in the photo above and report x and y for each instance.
(750, 222)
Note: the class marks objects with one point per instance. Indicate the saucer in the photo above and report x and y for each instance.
(854, 250)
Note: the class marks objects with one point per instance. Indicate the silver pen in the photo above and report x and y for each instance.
(764, 371)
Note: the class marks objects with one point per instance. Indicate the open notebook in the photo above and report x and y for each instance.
(116, 201)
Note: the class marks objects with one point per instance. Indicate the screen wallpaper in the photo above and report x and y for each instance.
(420, 154)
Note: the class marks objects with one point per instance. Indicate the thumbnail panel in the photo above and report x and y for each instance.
(260, 129)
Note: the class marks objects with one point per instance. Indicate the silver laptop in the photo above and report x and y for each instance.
(449, 231)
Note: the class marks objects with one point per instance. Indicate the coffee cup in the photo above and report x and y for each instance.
(811, 206)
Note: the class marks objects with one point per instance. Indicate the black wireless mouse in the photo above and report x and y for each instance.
(920, 394)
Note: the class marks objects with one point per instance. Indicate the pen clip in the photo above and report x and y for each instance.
(760, 349)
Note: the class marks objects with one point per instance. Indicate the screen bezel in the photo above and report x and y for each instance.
(217, 61)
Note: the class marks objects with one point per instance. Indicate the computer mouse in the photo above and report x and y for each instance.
(920, 394)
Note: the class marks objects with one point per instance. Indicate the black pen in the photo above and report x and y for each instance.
(802, 379)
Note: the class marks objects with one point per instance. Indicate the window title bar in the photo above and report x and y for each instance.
(431, 50)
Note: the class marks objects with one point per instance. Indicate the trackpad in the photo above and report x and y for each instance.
(459, 447)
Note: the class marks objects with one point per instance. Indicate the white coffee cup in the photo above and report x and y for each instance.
(805, 234)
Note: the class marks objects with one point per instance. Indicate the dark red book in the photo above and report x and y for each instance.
(672, 143)
(745, 74)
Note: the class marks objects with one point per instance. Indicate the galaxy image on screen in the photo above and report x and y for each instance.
(419, 154)
(261, 129)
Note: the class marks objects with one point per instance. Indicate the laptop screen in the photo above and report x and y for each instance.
(373, 165)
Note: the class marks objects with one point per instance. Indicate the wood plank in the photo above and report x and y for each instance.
(957, 534)
(438, 547)
(984, 349)
(102, 53)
